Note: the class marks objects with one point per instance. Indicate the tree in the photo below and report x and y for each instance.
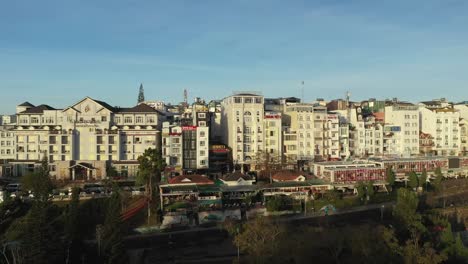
(390, 176)
(423, 179)
(405, 212)
(259, 238)
(151, 165)
(141, 94)
(72, 227)
(370, 189)
(39, 182)
(361, 191)
(413, 180)
(438, 179)
(279, 203)
(112, 233)
(37, 234)
(414, 252)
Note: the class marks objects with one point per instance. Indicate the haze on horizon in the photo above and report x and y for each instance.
(57, 52)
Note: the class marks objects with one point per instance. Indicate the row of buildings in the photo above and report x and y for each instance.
(244, 131)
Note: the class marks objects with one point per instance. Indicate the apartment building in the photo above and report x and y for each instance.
(300, 122)
(366, 133)
(83, 140)
(442, 123)
(273, 138)
(406, 116)
(172, 146)
(463, 137)
(242, 125)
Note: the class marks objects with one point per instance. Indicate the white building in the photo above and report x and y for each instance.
(463, 136)
(273, 134)
(242, 125)
(83, 140)
(172, 146)
(406, 116)
(442, 123)
(367, 134)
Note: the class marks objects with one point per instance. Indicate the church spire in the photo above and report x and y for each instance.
(141, 94)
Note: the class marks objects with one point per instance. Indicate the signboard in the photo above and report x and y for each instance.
(219, 149)
(189, 128)
(273, 116)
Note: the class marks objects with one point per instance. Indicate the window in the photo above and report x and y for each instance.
(150, 119)
(175, 140)
(103, 118)
(139, 119)
(34, 120)
(202, 162)
(202, 143)
(237, 100)
(117, 119)
(248, 100)
(201, 115)
(272, 133)
(202, 153)
(202, 133)
(258, 100)
(128, 119)
(202, 123)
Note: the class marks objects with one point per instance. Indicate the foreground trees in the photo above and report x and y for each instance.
(151, 165)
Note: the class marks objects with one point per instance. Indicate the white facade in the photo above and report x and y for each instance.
(242, 125)
(367, 134)
(172, 146)
(90, 132)
(406, 116)
(203, 135)
(443, 125)
(463, 137)
(7, 143)
(273, 134)
(300, 127)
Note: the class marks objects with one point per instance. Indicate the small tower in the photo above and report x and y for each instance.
(185, 97)
(141, 94)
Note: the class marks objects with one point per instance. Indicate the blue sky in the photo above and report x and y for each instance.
(57, 52)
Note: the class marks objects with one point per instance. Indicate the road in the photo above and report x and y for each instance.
(213, 245)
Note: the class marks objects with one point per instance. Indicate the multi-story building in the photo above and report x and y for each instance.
(172, 146)
(273, 138)
(392, 140)
(367, 134)
(426, 144)
(406, 116)
(463, 137)
(185, 148)
(83, 140)
(300, 122)
(242, 126)
(442, 123)
(332, 137)
(214, 108)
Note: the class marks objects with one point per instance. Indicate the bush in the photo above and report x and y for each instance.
(279, 203)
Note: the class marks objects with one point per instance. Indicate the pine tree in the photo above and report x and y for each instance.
(141, 94)
(112, 237)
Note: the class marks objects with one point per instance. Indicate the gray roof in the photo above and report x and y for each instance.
(38, 109)
(141, 108)
(236, 176)
(26, 104)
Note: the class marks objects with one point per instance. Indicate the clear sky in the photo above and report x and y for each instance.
(57, 52)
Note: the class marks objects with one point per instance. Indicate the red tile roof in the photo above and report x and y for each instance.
(190, 179)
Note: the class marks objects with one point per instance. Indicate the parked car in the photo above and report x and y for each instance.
(13, 187)
(93, 188)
